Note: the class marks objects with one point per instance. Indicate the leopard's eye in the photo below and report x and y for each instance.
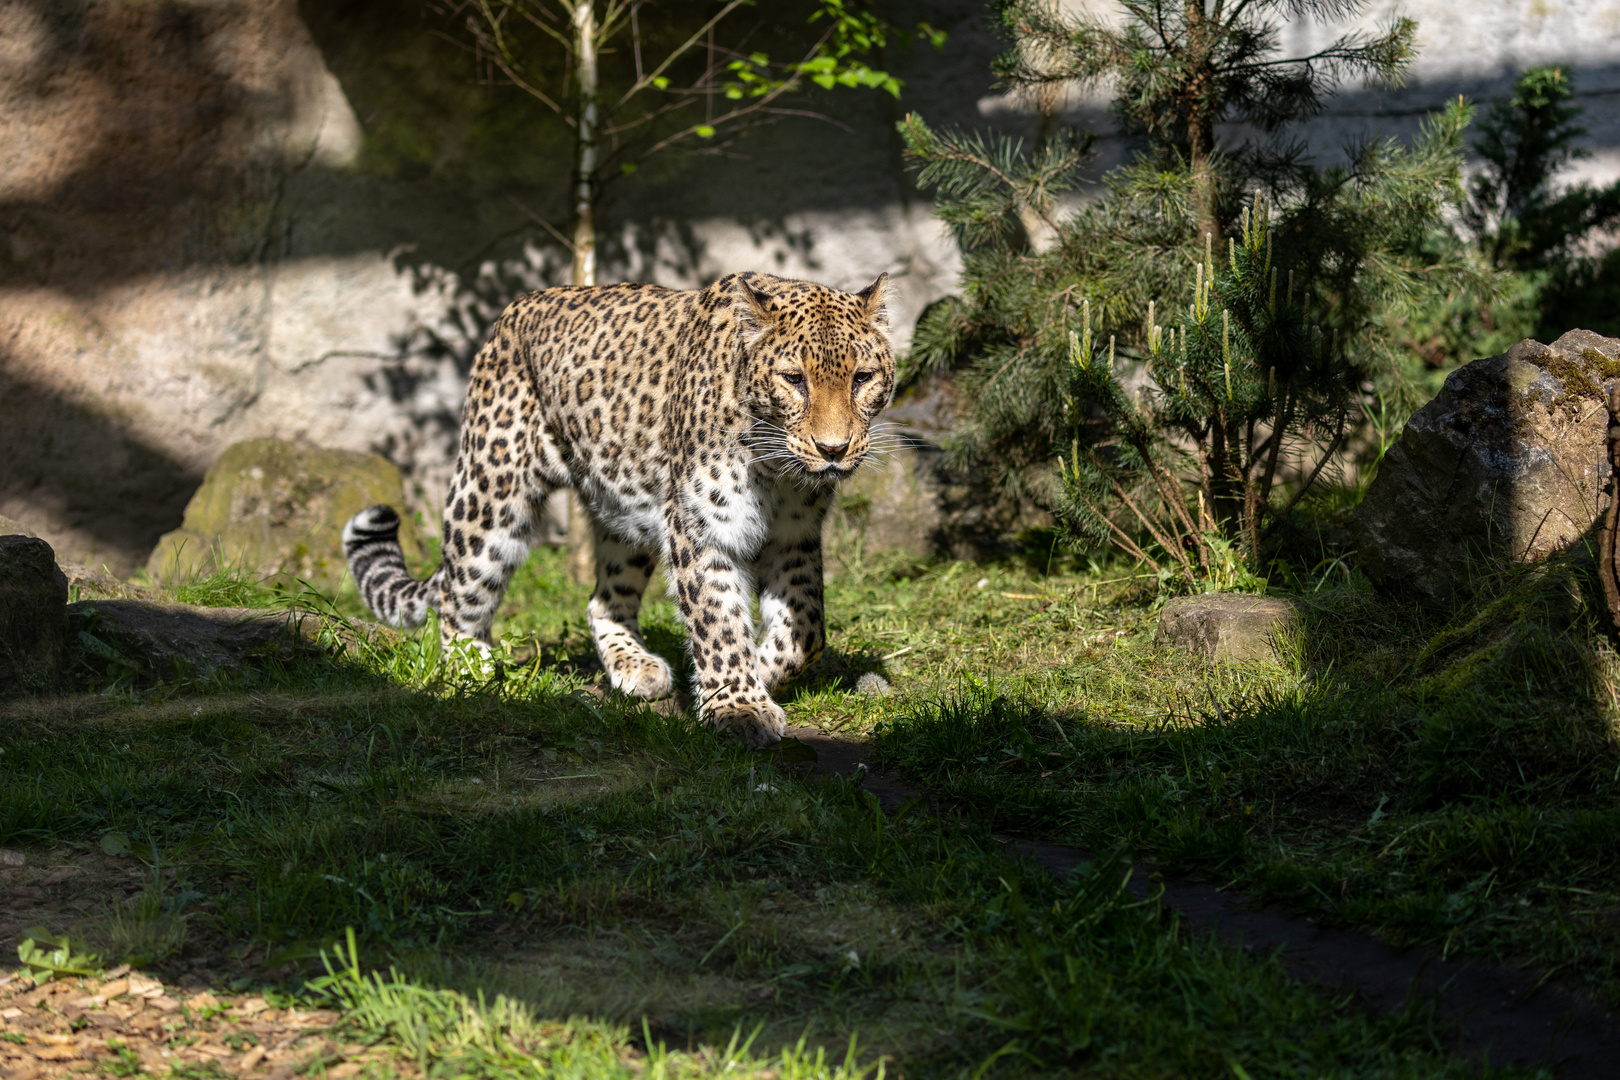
(863, 377)
(794, 378)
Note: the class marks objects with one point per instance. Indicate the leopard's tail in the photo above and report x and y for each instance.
(371, 541)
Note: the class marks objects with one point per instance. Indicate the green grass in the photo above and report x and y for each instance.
(571, 885)
(1446, 782)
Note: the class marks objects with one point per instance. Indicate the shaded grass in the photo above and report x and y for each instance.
(596, 859)
(1450, 782)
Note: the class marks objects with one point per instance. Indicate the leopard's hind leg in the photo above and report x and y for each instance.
(507, 465)
(622, 573)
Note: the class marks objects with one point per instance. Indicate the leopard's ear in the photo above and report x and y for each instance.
(875, 301)
(754, 308)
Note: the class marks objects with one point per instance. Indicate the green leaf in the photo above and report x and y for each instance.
(116, 844)
(826, 82)
(628, 167)
(49, 956)
(704, 131)
(661, 82)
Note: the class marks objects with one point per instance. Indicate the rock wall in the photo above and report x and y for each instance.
(217, 229)
(227, 220)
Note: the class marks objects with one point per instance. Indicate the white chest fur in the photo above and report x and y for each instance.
(734, 504)
(637, 515)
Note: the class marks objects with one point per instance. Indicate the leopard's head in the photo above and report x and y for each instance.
(820, 368)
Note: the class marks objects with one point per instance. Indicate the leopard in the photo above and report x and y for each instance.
(706, 431)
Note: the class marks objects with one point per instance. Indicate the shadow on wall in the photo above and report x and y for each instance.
(110, 492)
(166, 173)
(194, 264)
(136, 142)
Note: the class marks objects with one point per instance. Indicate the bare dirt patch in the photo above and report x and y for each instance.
(130, 1022)
(63, 890)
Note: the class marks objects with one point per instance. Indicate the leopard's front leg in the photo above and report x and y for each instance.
(787, 574)
(712, 589)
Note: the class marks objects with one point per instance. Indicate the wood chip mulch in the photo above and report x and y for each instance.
(131, 1023)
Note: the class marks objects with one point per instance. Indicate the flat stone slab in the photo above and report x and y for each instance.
(1227, 627)
(208, 639)
(92, 583)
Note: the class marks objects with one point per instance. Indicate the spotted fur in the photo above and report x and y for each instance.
(706, 428)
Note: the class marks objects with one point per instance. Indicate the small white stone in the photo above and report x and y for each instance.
(982, 583)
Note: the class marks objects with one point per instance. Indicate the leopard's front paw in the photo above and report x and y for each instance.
(757, 724)
(648, 677)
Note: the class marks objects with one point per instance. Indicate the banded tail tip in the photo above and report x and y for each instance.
(373, 524)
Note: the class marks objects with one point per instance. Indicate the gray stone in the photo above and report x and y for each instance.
(1227, 627)
(33, 617)
(891, 504)
(90, 582)
(1506, 466)
(160, 633)
(276, 509)
(80, 577)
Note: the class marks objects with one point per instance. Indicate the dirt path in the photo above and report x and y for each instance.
(129, 1022)
(1501, 1015)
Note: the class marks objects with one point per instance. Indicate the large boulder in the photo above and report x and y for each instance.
(33, 617)
(276, 509)
(1507, 465)
(1228, 627)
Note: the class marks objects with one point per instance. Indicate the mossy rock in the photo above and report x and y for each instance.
(1507, 466)
(276, 509)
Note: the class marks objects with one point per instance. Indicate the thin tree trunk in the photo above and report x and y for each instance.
(1200, 124)
(1608, 563)
(581, 550)
(585, 148)
(1225, 499)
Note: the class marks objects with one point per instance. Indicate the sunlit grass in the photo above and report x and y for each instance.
(631, 880)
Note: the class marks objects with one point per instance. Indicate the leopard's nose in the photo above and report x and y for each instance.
(832, 451)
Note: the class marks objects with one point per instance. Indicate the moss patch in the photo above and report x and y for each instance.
(1607, 366)
(1577, 382)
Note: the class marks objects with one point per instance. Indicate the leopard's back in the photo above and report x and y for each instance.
(599, 360)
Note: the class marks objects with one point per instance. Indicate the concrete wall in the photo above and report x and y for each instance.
(1476, 49)
(226, 219)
